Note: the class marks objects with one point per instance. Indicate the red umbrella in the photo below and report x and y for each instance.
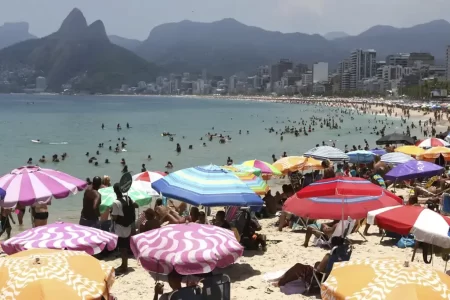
(426, 225)
(339, 198)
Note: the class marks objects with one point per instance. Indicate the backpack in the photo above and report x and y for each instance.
(129, 213)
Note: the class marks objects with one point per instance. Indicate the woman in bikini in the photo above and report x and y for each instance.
(39, 214)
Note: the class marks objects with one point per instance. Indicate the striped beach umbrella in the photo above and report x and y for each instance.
(62, 235)
(361, 156)
(432, 142)
(140, 192)
(395, 158)
(327, 153)
(148, 176)
(30, 184)
(208, 186)
(266, 168)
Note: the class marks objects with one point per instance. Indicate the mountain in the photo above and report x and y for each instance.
(228, 46)
(79, 54)
(129, 44)
(11, 33)
(430, 37)
(335, 35)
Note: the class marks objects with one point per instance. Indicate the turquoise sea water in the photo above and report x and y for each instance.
(77, 120)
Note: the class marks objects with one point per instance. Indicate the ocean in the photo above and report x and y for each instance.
(72, 124)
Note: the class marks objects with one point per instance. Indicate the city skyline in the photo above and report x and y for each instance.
(135, 19)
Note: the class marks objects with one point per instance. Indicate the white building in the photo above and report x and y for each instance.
(142, 85)
(41, 84)
(320, 72)
(363, 65)
(307, 78)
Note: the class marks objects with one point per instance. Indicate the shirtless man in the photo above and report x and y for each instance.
(91, 204)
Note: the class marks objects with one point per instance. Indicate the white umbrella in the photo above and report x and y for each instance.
(327, 152)
(395, 158)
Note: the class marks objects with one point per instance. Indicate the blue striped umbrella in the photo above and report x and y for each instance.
(361, 156)
(207, 186)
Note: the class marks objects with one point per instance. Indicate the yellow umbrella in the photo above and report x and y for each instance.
(289, 164)
(49, 274)
(410, 150)
(434, 153)
(311, 164)
(384, 279)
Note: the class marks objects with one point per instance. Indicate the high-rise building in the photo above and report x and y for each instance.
(307, 78)
(320, 72)
(398, 59)
(448, 63)
(277, 70)
(41, 84)
(300, 69)
(363, 65)
(232, 84)
(263, 71)
(425, 58)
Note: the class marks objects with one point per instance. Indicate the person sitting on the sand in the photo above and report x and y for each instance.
(317, 228)
(202, 218)
(220, 220)
(305, 272)
(150, 222)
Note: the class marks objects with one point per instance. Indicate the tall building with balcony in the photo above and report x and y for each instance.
(425, 58)
(363, 65)
(277, 70)
(398, 59)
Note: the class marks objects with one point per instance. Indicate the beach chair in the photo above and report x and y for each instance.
(445, 209)
(216, 287)
(337, 254)
(343, 228)
(187, 293)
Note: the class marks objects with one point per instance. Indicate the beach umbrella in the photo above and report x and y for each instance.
(242, 169)
(266, 168)
(188, 248)
(289, 164)
(2, 194)
(426, 225)
(54, 274)
(61, 235)
(208, 186)
(384, 278)
(311, 164)
(30, 184)
(327, 153)
(395, 158)
(361, 156)
(395, 138)
(434, 153)
(410, 150)
(413, 169)
(148, 176)
(140, 192)
(432, 142)
(379, 152)
(255, 183)
(339, 198)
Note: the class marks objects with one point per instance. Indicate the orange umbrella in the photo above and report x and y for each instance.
(54, 274)
(433, 153)
(289, 164)
(312, 164)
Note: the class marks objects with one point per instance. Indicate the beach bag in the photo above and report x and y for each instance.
(406, 242)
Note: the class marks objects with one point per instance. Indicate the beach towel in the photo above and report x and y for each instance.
(294, 287)
(274, 276)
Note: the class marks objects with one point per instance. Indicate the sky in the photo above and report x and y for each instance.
(136, 18)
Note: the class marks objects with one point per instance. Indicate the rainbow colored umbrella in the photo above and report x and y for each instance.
(266, 168)
(242, 169)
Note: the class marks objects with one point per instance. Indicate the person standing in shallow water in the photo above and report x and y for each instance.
(91, 204)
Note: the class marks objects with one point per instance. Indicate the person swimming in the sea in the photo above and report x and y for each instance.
(106, 161)
(103, 126)
(190, 147)
(42, 159)
(178, 148)
(30, 161)
(128, 126)
(204, 144)
(169, 165)
(118, 127)
(123, 161)
(87, 153)
(149, 157)
(125, 169)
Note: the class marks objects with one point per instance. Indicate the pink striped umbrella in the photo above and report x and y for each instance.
(188, 248)
(30, 184)
(62, 235)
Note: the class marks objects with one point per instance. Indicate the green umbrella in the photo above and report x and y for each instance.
(137, 193)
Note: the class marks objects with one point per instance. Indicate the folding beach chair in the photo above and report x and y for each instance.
(445, 209)
(216, 287)
(337, 254)
(343, 228)
(187, 293)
